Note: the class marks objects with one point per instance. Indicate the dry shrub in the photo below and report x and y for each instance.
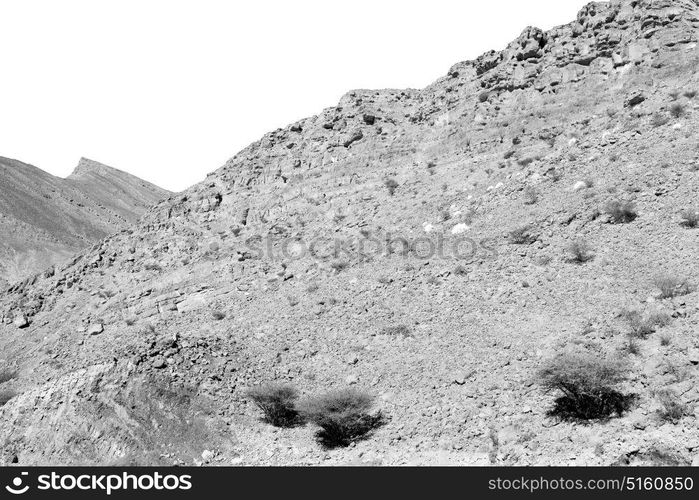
(277, 402)
(588, 386)
(579, 252)
(672, 408)
(621, 211)
(522, 235)
(343, 416)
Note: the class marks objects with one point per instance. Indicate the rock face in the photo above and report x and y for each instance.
(44, 220)
(376, 245)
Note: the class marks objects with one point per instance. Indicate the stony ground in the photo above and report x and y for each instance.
(277, 268)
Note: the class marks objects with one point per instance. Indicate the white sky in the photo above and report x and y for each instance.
(168, 90)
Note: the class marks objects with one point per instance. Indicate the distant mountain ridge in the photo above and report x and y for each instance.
(44, 219)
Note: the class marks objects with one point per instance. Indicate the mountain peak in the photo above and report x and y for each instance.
(86, 166)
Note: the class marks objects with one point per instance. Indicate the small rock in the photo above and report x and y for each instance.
(207, 455)
(693, 356)
(352, 380)
(352, 359)
(159, 362)
(95, 329)
(21, 321)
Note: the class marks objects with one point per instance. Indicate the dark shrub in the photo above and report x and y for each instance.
(690, 218)
(218, 315)
(587, 382)
(621, 211)
(391, 185)
(397, 330)
(277, 402)
(342, 415)
(677, 110)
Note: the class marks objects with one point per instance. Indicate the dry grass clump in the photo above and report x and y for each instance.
(531, 195)
(672, 286)
(672, 408)
(643, 325)
(587, 383)
(277, 402)
(579, 252)
(343, 416)
(621, 212)
(522, 235)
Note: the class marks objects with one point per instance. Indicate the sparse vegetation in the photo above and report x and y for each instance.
(397, 330)
(579, 252)
(391, 185)
(342, 415)
(672, 408)
(460, 270)
(672, 286)
(277, 402)
(588, 384)
(690, 94)
(643, 325)
(677, 110)
(522, 235)
(690, 218)
(531, 195)
(218, 315)
(620, 211)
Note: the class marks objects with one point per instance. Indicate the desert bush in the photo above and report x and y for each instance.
(579, 252)
(391, 185)
(690, 94)
(508, 154)
(587, 383)
(621, 211)
(343, 416)
(531, 195)
(690, 218)
(642, 326)
(522, 235)
(665, 340)
(218, 315)
(130, 320)
(277, 402)
(6, 395)
(677, 110)
(632, 346)
(672, 409)
(671, 286)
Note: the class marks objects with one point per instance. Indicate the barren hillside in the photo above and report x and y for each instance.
(416, 244)
(44, 220)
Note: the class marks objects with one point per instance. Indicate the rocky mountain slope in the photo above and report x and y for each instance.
(378, 245)
(44, 220)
